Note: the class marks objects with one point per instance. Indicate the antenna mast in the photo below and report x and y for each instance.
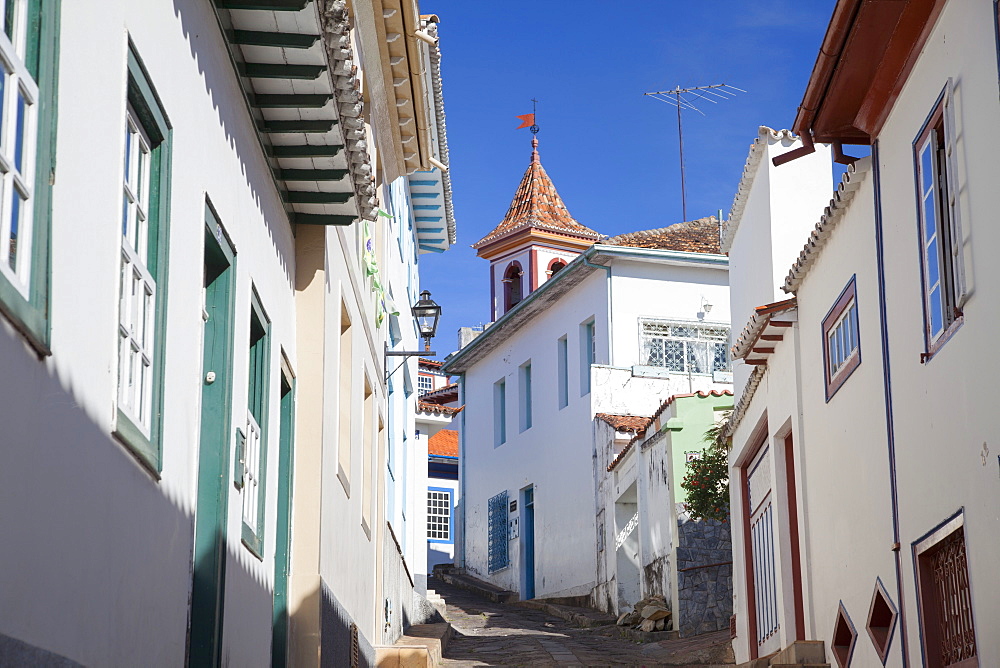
(684, 98)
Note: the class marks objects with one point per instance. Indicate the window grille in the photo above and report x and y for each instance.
(439, 515)
(685, 347)
(251, 472)
(947, 601)
(498, 557)
(425, 384)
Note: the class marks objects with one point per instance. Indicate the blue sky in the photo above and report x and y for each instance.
(611, 152)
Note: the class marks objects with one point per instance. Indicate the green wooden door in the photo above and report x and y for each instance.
(282, 549)
(208, 591)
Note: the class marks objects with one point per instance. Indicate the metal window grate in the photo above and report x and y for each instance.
(439, 515)
(498, 557)
(355, 647)
(685, 347)
(949, 574)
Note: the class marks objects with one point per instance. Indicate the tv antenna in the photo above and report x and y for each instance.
(685, 98)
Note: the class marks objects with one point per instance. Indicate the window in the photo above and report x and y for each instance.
(684, 347)
(588, 353)
(555, 266)
(425, 383)
(944, 596)
(439, 515)
(255, 449)
(499, 412)
(368, 439)
(525, 397)
(841, 345)
(562, 361)
(513, 286)
(27, 86)
(345, 399)
(941, 255)
(498, 556)
(144, 234)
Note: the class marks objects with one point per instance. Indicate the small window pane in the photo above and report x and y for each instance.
(19, 139)
(15, 224)
(936, 311)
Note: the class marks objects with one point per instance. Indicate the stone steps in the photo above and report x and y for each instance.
(584, 618)
(422, 646)
(475, 585)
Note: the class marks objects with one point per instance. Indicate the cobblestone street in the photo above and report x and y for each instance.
(492, 634)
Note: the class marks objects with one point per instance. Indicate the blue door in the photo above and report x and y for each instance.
(529, 543)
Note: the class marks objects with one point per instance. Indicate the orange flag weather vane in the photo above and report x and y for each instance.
(528, 120)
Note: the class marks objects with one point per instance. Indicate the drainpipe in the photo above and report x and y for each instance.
(887, 388)
(611, 329)
(460, 507)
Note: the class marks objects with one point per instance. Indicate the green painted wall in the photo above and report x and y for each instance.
(694, 415)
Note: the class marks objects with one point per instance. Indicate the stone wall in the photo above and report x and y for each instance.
(705, 593)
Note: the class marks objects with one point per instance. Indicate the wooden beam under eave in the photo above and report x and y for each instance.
(322, 219)
(755, 362)
(264, 5)
(285, 40)
(311, 174)
(291, 101)
(308, 127)
(305, 150)
(780, 323)
(763, 351)
(310, 197)
(772, 337)
(282, 71)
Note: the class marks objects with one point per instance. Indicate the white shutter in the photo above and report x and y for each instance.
(957, 240)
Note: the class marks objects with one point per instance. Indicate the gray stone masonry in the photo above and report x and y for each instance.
(706, 592)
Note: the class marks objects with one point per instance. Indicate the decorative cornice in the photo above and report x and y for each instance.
(336, 25)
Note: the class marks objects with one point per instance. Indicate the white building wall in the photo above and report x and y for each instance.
(98, 568)
(554, 455)
(946, 450)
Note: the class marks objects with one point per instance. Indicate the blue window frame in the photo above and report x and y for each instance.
(440, 516)
(499, 557)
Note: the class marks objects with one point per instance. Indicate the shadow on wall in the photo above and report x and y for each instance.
(210, 54)
(97, 554)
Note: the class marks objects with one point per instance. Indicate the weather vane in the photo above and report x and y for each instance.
(528, 120)
(683, 98)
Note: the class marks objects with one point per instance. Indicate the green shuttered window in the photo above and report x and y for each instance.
(255, 449)
(28, 58)
(142, 298)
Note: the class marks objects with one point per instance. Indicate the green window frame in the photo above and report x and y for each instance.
(31, 30)
(139, 421)
(254, 455)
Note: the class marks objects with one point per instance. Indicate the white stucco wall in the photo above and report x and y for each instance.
(98, 556)
(946, 447)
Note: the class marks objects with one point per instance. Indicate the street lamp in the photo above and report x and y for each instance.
(704, 309)
(427, 313)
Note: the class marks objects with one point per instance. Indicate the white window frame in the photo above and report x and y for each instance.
(425, 383)
(439, 500)
(137, 296)
(648, 339)
(251, 473)
(20, 178)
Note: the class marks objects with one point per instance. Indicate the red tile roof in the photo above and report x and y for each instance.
(437, 409)
(693, 236)
(443, 444)
(443, 395)
(537, 204)
(629, 423)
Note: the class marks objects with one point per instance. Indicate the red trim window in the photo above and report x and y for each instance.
(944, 596)
(841, 344)
(554, 266)
(941, 260)
(513, 286)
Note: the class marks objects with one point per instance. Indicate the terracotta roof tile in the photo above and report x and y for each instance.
(443, 444)
(693, 236)
(633, 424)
(537, 204)
(443, 395)
(437, 409)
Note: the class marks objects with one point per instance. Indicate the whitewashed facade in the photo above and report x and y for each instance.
(162, 441)
(531, 385)
(879, 457)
